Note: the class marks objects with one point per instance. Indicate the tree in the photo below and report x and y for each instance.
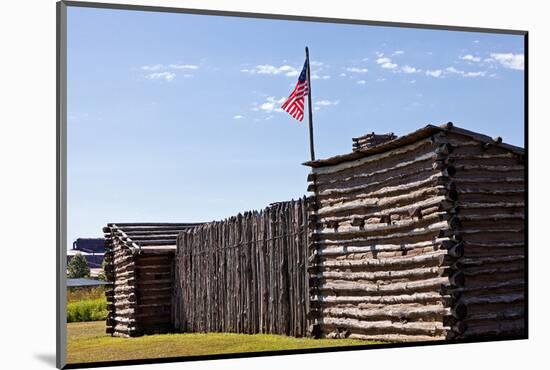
(101, 274)
(78, 267)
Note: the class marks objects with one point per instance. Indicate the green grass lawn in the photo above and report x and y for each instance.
(87, 342)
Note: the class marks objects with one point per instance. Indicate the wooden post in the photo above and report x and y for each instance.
(310, 115)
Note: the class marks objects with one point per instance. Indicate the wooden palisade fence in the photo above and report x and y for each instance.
(246, 274)
(416, 238)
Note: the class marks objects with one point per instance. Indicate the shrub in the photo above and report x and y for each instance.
(87, 310)
(78, 267)
(84, 293)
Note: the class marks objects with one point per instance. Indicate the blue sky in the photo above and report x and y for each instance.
(175, 117)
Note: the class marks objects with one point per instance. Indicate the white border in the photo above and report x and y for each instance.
(27, 149)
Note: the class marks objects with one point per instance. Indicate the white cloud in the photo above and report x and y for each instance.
(268, 106)
(326, 103)
(271, 104)
(465, 74)
(288, 70)
(238, 116)
(357, 70)
(389, 65)
(412, 81)
(398, 52)
(476, 41)
(409, 69)
(183, 66)
(380, 79)
(155, 67)
(470, 58)
(269, 69)
(509, 60)
(386, 63)
(437, 73)
(167, 76)
(453, 70)
(162, 72)
(343, 74)
(318, 77)
(361, 82)
(316, 63)
(475, 74)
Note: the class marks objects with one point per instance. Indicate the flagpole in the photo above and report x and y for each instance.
(310, 115)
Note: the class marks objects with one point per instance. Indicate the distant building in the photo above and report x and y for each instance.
(93, 249)
(85, 283)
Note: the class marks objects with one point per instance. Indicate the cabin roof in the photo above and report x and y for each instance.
(149, 236)
(410, 138)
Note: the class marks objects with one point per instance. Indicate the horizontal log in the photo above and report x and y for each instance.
(487, 168)
(508, 314)
(124, 303)
(426, 313)
(425, 328)
(366, 236)
(381, 275)
(397, 338)
(386, 198)
(158, 250)
(479, 261)
(431, 180)
(382, 225)
(160, 267)
(493, 299)
(477, 205)
(415, 297)
(428, 258)
(129, 225)
(497, 328)
(376, 158)
(349, 249)
(157, 242)
(355, 203)
(489, 180)
(492, 270)
(486, 286)
(411, 287)
(501, 244)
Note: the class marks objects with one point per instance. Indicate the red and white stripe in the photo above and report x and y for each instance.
(294, 105)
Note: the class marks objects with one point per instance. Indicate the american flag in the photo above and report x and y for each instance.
(294, 105)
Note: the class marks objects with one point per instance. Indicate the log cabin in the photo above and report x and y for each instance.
(419, 238)
(140, 263)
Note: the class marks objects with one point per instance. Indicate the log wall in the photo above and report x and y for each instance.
(490, 210)
(246, 274)
(140, 262)
(423, 241)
